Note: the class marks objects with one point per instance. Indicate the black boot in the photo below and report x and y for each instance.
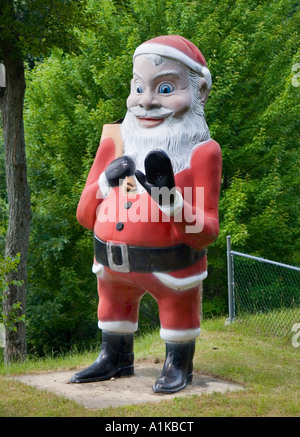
(178, 368)
(115, 359)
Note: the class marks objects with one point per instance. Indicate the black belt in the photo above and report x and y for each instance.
(123, 258)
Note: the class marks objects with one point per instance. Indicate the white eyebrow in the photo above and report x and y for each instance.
(167, 73)
(159, 74)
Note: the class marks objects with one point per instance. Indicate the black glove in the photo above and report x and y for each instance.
(119, 169)
(159, 174)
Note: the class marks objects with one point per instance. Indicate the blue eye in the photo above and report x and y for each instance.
(138, 88)
(166, 88)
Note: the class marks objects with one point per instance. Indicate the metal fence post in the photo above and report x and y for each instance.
(230, 282)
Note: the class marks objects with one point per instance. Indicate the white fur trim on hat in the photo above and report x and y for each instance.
(174, 54)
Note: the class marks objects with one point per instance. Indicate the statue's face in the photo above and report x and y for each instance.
(165, 86)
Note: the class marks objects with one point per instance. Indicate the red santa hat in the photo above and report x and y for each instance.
(179, 49)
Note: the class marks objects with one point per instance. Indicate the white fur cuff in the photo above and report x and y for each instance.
(179, 336)
(103, 185)
(120, 327)
(175, 208)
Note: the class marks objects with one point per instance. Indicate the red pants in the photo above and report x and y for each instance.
(120, 295)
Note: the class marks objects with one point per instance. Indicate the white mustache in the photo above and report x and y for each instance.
(141, 112)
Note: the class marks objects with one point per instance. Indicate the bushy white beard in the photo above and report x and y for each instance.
(175, 136)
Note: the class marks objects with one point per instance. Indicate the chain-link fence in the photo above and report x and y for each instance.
(263, 293)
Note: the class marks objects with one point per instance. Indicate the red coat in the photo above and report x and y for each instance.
(204, 171)
(101, 215)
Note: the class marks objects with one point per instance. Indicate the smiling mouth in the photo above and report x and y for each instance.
(150, 122)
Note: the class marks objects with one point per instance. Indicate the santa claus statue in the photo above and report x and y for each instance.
(151, 200)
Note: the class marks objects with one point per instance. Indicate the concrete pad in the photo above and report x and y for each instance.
(121, 391)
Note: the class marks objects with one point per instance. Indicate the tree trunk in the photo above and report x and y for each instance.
(17, 237)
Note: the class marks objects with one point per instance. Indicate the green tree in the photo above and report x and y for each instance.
(11, 319)
(27, 29)
(69, 98)
(250, 47)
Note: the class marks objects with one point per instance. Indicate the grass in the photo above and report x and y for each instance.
(268, 368)
(277, 322)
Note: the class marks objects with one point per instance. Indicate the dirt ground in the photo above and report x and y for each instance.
(121, 391)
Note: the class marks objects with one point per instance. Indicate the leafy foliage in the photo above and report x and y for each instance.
(250, 47)
(32, 27)
(28, 29)
(10, 320)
